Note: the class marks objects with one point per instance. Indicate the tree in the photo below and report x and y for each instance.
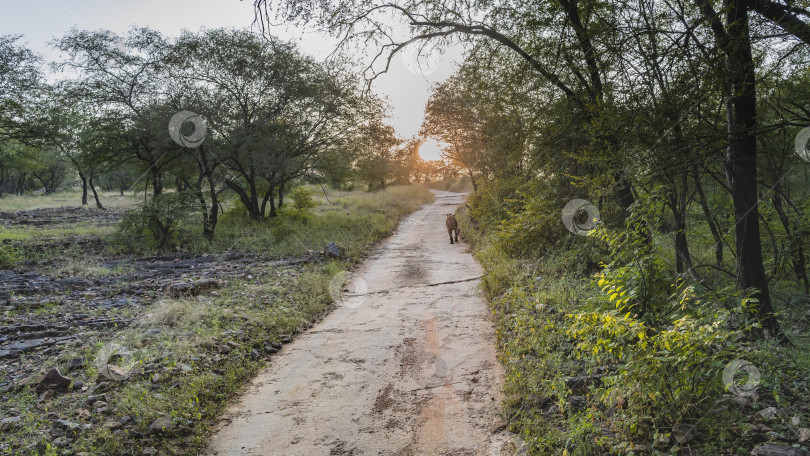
(274, 112)
(20, 81)
(125, 78)
(376, 148)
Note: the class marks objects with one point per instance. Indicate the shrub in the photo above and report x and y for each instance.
(302, 198)
(10, 256)
(157, 221)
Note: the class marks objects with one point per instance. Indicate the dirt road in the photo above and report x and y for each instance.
(407, 368)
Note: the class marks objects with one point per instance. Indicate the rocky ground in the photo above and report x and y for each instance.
(60, 315)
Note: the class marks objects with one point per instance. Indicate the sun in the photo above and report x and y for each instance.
(431, 149)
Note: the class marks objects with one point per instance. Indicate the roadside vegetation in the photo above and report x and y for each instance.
(622, 356)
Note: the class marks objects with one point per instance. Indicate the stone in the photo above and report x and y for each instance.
(768, 413)
(61, 441)
(159, 425)
(67, 425)
(269, 348)
(53, 380)
(112, 425)
(74, 363)
(804, 434)
(93, 398)
(332, 250)
(9, 423)
(112, 372)
(45, 396)
(775, 449)
(149, 451)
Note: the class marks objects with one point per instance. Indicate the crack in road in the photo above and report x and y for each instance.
(387, 290)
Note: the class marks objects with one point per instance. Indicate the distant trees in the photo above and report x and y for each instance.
(21, 78)
(218, 113)
(125, 80)
(273, 112)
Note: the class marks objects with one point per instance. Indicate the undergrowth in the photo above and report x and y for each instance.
(608, 351)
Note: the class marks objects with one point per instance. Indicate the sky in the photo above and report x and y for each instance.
(406, 85)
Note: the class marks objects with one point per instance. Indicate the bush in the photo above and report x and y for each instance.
(302, 198)
(10, 256)
(157, 221)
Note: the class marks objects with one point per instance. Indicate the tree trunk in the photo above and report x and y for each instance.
(157, 182)
(84, 188)
(272, 205)
(707, 213)
(794, 241)
(677, 203)
(95, 194)
(213, 214)
(268, 196)
(253, 209)
(281, 195)
(742, 156)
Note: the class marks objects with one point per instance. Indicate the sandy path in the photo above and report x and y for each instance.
(407, 369)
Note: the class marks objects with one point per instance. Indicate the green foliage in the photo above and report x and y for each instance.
(156, 222)
(302, 198)
(668, 375)
(10, 256)
(658, 342)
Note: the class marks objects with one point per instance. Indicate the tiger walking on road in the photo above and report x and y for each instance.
(452, 226)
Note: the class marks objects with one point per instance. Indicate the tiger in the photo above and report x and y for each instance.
(452, 225)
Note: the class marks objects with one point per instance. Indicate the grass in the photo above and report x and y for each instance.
(189, 356)
(72, 198)
(352, 220)
(36, 233)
